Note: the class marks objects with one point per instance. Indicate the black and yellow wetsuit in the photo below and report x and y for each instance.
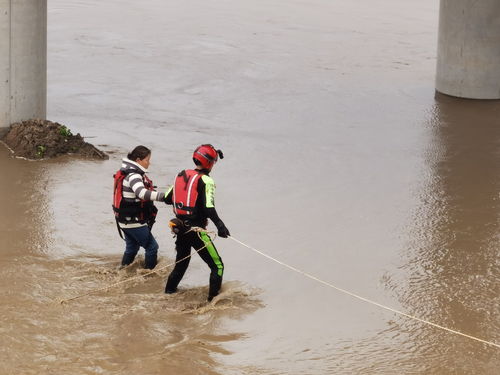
(204, 209)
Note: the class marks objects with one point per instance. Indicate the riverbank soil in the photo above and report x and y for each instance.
(43, 139)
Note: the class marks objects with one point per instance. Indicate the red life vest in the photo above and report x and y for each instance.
(143, 210)
(185, 192)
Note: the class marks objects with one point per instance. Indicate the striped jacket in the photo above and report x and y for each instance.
(134, 189)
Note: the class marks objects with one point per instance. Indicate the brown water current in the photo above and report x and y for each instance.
(340, 160)
(116, 331)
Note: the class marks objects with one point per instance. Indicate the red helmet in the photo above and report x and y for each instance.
(206, 156)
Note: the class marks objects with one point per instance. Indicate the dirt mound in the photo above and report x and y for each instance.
(42, 139)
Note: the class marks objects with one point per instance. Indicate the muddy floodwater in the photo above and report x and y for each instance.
(340, 160)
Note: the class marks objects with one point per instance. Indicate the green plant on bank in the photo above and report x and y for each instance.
(40, 151)
(65, 132)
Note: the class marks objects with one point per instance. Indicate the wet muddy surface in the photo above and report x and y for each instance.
(339, 160)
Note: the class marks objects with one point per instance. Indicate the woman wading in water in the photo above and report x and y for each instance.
(135, 212)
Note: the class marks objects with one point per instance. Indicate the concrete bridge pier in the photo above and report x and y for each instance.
(23, 60)
(468, 58)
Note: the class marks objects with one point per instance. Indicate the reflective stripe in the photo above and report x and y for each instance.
(193, 179)
(213, 252)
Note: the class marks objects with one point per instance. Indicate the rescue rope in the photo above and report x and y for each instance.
(156, 270)
(365, 299)
(201, 230)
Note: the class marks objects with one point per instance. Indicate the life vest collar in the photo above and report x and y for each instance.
(128, 164)
(203, 171)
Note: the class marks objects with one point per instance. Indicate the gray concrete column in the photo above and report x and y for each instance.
(4, 63)
(468, 58)
(23, 60)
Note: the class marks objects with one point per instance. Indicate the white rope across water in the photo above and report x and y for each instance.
(199, 230)
(363, 298)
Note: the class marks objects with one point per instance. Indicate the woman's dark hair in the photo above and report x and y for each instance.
(140, 152)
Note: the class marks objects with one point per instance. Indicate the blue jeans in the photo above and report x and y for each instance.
(134, 239)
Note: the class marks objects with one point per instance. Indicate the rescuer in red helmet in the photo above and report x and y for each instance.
(193, 200)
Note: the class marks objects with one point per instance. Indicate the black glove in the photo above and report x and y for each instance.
(222, 231)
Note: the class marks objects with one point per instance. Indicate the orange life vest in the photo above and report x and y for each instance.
(185, 192)
(143, 210)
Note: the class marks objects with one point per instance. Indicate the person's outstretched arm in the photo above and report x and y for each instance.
(134, 182)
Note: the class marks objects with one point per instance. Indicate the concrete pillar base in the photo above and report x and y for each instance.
(468, 59)
(23, 60)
